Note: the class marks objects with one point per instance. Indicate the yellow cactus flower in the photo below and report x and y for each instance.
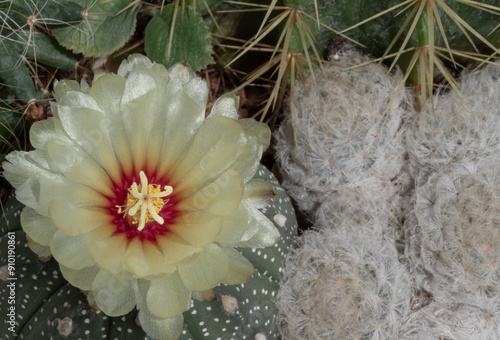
(138, 196)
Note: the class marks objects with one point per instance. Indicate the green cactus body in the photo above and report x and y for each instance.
(47, 306)
(101, 28)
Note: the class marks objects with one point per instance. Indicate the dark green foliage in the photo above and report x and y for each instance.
(190, 42)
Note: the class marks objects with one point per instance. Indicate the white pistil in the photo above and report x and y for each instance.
(147, 200)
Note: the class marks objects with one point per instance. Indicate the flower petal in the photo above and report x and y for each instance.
(64, 86)
(207, 270)
(221, 197)
(205, 295)
(142, 110)
(226, 105)
(258, 138)
(198, 229)
(167, 297)
(76, 221)
(70, 251)
(161, 329)
(240, 269)
(215, 147)
(241, 225)
(107, 249)
(184, 113)
(107, 92)
(264, 234)
(144, 259)
(90, 128)
(39, 228)
(37, 248)
(258, 192)
(81, 278)
(114, 295)
(174, 248)
(132, 62)
(64, 156)
(34, 184)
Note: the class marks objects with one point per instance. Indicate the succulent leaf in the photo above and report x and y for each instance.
(190, 41)
(102, 28)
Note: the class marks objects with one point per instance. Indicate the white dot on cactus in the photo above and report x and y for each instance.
(280, 220)
(65, 326)
(4, 273)
(229, 303)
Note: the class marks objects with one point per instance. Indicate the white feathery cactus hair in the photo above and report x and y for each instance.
(373, 202)
(453, 131)
(339, 133)
(456, 240)
(463, 317)
(343, 285)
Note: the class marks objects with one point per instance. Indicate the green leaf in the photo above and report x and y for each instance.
(103, 27)
(11, 126)
(46, 51)
(48, 12)
(14, 73)
(190, 40)
(22, 43)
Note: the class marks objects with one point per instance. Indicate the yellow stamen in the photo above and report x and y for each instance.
(144, 201)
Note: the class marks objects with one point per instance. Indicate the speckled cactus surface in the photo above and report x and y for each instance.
(49, 307)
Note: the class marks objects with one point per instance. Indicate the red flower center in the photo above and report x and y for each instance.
(142, 209)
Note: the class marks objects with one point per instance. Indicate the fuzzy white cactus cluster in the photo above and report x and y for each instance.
(453, 130)
(343, 160)
(456, 239)
(453, 235)
(464, 317)
(343, 286)
(339, 135)
(441, 267)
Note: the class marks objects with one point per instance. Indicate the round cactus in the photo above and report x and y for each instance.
(342, 284)
(339, 133)
(469, 316)
(46, 306)
(372, 202)
(456, 239)
(453, 131)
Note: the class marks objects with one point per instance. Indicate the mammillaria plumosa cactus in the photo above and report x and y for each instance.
(462, 317)
(456, 240)
(341, 132)
(142, 201)
(343, 283)
(454, 131)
